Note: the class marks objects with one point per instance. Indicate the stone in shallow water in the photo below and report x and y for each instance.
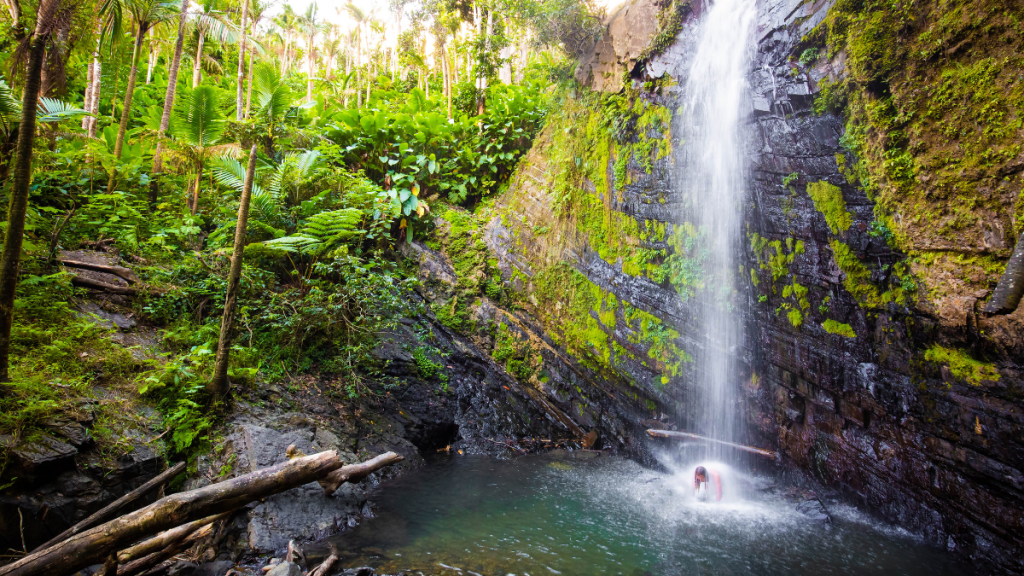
(814, 510)
(285, 569)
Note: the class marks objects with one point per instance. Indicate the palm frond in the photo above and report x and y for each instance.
(51, 110)
(10, 108)
(199, 122)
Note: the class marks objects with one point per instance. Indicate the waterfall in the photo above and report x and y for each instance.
(712, 177)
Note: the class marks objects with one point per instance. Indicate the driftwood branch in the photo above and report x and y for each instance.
(166, 539)
(119, 271)
(325, 567)
(116, 506)
(689, 436)
(147, 562)
(356, 472)
(92, 546)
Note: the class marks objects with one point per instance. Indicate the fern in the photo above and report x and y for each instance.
(324, 233)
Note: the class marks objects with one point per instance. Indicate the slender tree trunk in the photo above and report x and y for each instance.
(287, 52)
(195, 193)
(197, 70)
(481, 100)
(219, 386)
(165, 118)
(10, 260)
(248, 87)
(359, 74)
(127, 106)
(152, 59)
(446, 76)
(309, 72)
(241, 62)
(94, 88)
(86, 102)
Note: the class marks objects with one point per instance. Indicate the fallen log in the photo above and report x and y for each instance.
(115, 506)
(356, 472)
(97, 285)
(120, 271)
(690, 436)
(92, 546)
(145, 563)
(166, 539)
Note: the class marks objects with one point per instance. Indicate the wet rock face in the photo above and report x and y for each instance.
(864, 411)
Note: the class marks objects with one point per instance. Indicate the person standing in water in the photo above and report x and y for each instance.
(703, 476)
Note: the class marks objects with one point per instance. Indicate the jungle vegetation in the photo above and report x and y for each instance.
(127, 126)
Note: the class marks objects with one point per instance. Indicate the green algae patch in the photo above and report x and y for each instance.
(838, 328)
(961, 365)
(828, 199)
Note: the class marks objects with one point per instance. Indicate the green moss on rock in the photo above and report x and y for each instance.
(962, 365)
(835, 327)
(828, 199)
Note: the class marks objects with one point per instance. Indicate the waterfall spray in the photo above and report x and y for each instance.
(713, 178)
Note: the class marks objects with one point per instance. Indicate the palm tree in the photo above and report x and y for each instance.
(10, 260)
(272, 102)
(197, 131)
(241, 62)
(330, 50)
(310, 27)
(165, 118)
(209, 22)
(145, 14)
(360, 18)
(287, 22)
(257, 9)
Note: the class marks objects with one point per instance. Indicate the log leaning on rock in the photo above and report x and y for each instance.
(356, 472)
(125, 273)
(114, 507)
(92, 546)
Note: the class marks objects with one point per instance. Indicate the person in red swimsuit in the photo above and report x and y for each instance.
(703, 476)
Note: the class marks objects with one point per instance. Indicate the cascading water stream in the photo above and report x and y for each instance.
(712, 177)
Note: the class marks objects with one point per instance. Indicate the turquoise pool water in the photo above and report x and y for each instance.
(555, 514)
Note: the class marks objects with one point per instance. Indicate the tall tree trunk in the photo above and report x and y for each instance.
(359, 74)
(152, 59)
(309, 71)
(94, 88)
(197, 70)
(287, 52)
(86, 102)
(10, 260)
(195, 193)
(248, 87)
(127, 106)
(481, 100)
(446, 76)
(165, 118)
(219, 386)
(241, 62)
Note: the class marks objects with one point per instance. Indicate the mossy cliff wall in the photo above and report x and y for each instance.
(884, 199)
